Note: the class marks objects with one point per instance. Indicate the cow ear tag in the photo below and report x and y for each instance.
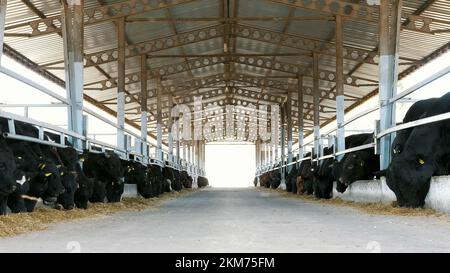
(362, 163)
(421, 162)
(48, 174)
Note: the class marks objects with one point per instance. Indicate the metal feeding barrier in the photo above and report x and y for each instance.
(140, 153)
(377, 135)
(90, 144)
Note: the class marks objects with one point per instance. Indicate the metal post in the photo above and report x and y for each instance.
(283, 148)
(188, 147)
(121, 83)
(85, 131)
(3, 4)
(177, 148)
(144, 107)
(316, 97)
(301, 149)
(267, 152)
(170, 122)
(73, 28)
(340, 133)
(184, 150)
(289, 130)
(258, 153)
(158, 119)
(388, 72)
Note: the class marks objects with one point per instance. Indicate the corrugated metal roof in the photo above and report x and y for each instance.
(207, 37)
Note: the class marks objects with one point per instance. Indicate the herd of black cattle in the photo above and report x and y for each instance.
(65, 179)
(418, 153)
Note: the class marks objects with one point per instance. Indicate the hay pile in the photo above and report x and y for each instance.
(370, 208)
(42, 218)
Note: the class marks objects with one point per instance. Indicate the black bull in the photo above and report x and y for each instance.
(425, 153)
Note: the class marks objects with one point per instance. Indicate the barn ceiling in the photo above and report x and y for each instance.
(228, 51)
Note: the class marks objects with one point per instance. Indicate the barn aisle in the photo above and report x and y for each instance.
(240, 220)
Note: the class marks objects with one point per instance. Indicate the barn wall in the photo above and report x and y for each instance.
(374, 191)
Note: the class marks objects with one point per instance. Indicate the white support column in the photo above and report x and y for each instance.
(316, 97)
(73, 29)
(159, 154)
(188, 147)
(121, 83)
(144, 106)
(290, 155)
(267, 153)
(340, 133)
(263, 153)
(170, 122)
(3, 4)
(388, 72)
(258, 153)
(177, 148)
(301, 149)
(283, 146)
(184, 150)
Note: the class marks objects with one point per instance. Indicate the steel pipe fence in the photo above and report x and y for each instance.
(376, 134)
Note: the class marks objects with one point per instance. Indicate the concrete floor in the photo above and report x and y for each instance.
(240, 220)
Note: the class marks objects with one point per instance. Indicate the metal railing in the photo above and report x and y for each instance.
(137, 153)
(376, 135)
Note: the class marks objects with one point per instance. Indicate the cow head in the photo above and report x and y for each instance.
(113, 165)
(85, 188)
(409, 177)
(69, 157)
(47, 184)
(114, 190)
(353, 168)
(69, 182)
(7, 168)
(336, 170)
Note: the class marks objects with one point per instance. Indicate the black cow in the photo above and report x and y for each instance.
(157, 178)
(291, 179)
(70, 159)
(425, 153)
(360, 165)
(275, 179)
(138, 174)
(202, 181)
(85, 188)
(16, 203)
(66, 200)
(42, 171)
(306, 173)
(186, 179)
(168, 178)
(107, 172)
(65, 160)
(323, 176)
(414, 113)
(7, 174)
(337, 168)
(177, 185)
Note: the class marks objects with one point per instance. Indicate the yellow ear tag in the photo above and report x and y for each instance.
(421, 162)
(48, 174)
(62, 173)
(42, 166)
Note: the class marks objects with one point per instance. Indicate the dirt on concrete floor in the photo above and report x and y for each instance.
(42, 218)
(370, 208)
